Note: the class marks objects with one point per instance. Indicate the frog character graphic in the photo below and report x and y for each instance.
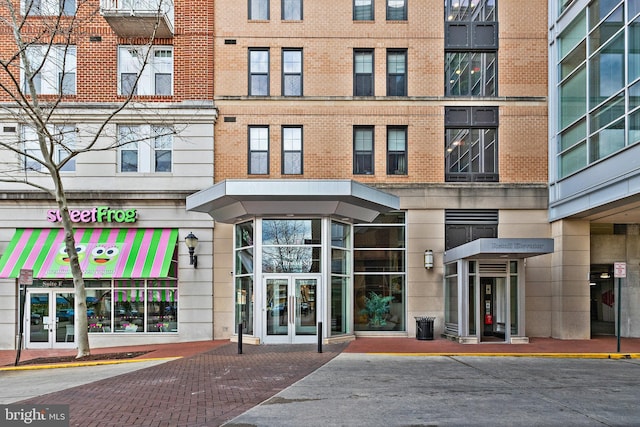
(102, 256)
(62, 257)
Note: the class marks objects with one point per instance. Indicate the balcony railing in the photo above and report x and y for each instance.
(139, 18)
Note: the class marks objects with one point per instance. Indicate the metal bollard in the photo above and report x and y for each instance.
(239, 338)
(319, 337)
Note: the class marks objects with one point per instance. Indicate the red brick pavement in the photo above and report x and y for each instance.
(205, 389)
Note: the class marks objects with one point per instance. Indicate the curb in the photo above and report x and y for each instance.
(617, 356)
(79, 364)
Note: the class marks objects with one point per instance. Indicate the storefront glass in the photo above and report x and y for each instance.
(244, 246)
(380, 274)
(451, 298)
(340, 274)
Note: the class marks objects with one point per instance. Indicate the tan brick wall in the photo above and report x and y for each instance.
(328, 35)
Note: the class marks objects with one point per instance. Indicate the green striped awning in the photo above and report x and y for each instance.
(103, 253)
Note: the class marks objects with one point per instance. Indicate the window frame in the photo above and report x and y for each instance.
(299, 151)
(473, 120)
(372, 15)
(283, 10)
(31, 146)
(147, 84)
(286, 74)
(360, 154)
(263, 3)
(145, 147)
(60, 63)
(390, 11)
(356, 75)
(395, 75)
(250, 140)
(53, 8)
(394, 156)
(266, 74)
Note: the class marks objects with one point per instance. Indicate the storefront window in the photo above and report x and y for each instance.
(380, 274)
(291, 246)
(244, 246)
(472, 298)
(513, 280)
(451, 298)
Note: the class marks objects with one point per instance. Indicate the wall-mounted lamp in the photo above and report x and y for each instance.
(192, 241)
(428, 258)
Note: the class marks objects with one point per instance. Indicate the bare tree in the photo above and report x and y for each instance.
(37, 75)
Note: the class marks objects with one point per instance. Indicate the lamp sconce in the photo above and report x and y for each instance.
(428, 259)
(192, 242)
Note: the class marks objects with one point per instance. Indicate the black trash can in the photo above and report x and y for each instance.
(424, 328)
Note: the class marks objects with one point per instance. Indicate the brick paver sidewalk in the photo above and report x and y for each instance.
(202, 390)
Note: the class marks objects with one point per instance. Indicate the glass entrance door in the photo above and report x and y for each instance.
(291, 309)
(494, 309)
(49, 320)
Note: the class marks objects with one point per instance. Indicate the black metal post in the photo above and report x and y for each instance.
(239, 338)
(23, 303)
(619, 305)
(319, 337)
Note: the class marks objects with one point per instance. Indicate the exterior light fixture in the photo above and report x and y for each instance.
(428, 258)
(192, 241)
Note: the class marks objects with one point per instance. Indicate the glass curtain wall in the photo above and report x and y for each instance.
(599, 84)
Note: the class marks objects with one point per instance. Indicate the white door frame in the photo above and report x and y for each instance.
(50, 329)
(289, 314)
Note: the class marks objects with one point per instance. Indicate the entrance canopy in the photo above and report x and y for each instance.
(103, 253)
(234, 200)
(499, 248)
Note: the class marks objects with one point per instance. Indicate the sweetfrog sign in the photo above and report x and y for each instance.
(97, 214)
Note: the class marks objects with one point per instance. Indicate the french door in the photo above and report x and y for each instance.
(49, 318)
(291, 309)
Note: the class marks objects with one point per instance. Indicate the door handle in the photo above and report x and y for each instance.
(291, 308)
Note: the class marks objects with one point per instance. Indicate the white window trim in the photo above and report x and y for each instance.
(146, 85)
(30, 144)
(145, 147)
(61, 58)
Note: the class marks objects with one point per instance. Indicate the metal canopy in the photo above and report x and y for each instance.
(500, 248)
(234, 200)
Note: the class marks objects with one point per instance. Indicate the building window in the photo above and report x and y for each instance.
(363, 150)
(291, 10)
(396, 150)
(397, 73)
(65, 142)
(145, 148)
(258, 150)
(48, 7)
(259, 72)
(463, 226)
(470, 73)
(379, 270)
(292, 72)
(259, 10)
(363, 10)
(396, 10)
(155, 77)
(292, 150)
(471, 48)
(53, 69)
(471, 144)
(363, 72)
